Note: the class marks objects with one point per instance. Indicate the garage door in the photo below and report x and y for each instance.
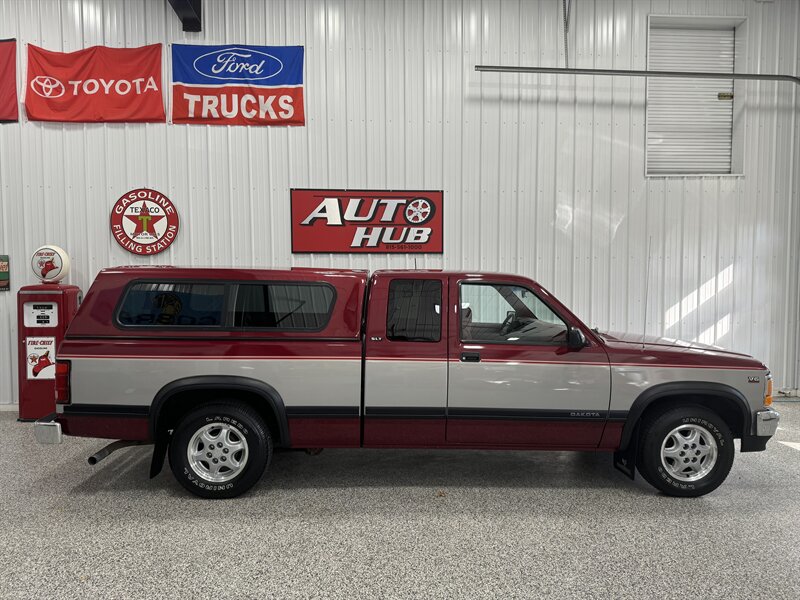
(689, 121)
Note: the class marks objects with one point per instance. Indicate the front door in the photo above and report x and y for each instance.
(513, 381)
(405, 370)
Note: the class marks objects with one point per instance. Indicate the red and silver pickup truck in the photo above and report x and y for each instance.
(217, 367)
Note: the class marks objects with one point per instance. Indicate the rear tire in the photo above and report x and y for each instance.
(220, 450)
(685, 451)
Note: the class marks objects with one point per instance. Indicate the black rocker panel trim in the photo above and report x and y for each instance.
(321, 411)
(406, 412)
(107, 410)
(535, 414)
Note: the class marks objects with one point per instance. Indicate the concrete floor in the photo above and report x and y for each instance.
(374, 524)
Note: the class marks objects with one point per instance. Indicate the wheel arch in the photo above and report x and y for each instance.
(172, 401)
(727, 401)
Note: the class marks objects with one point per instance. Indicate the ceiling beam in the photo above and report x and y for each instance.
(190, 13)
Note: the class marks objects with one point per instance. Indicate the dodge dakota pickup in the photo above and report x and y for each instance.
(218, 367)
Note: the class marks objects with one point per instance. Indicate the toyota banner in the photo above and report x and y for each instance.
(348, 221)
(98, 84)
(237, 85)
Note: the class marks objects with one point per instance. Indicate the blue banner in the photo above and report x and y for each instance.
(267, 66)
(237, 85)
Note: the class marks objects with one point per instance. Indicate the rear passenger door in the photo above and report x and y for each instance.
(405, 372)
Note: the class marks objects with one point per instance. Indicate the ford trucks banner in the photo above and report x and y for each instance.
(366, 221)
(96, 84)
(8, 80)
(237, 85)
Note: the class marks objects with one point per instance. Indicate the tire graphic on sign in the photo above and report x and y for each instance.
(419, 211)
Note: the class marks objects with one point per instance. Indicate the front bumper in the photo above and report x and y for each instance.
(47, 430)
(767, 422)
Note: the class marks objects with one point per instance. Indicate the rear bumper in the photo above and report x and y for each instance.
(766, 424)
(47, 430)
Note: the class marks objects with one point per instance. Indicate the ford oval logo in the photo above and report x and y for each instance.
(238, 64)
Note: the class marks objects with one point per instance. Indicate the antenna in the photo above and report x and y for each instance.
(646, 287)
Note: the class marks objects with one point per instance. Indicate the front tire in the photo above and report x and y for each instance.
(686, 451)
(220, 450)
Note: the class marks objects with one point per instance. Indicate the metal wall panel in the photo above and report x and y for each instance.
(543, 175)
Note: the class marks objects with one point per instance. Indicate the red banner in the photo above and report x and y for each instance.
(96, 84)
(366, 221)
(8, 80)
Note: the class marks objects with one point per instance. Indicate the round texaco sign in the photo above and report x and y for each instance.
(144, 222)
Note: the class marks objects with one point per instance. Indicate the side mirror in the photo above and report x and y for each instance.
(575, 339)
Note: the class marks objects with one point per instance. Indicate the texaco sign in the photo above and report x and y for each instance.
(144, 221)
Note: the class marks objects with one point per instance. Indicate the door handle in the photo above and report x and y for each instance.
(470, 357)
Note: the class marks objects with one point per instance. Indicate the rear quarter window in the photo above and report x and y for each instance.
(283, 305)
(173, 305)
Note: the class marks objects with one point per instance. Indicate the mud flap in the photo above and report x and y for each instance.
(625, 460)
(159, 453)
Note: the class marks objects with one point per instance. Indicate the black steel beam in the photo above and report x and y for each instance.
(623, 72)
(190, 13)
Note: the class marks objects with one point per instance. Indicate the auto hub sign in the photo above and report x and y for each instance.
(98, 84)
(366, 221)
(237, 85)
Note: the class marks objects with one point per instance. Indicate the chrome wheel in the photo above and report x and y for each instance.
(217, 452)
(689, 452)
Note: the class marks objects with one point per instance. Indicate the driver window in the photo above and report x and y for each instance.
(510, 314)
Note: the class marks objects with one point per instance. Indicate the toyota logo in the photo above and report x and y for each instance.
(47, 87)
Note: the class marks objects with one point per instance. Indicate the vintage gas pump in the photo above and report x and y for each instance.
(44, 311)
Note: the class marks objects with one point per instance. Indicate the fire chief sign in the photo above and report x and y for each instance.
(144, 222)
(366, 221)
(96, 84)
(237, 85)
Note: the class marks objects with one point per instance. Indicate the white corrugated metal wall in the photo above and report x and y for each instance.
(542, 175)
